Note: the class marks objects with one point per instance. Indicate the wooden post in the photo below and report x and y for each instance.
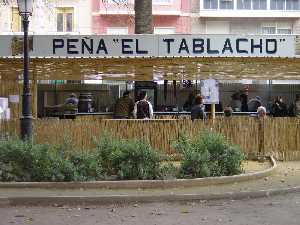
(34, 93)
(213, 111)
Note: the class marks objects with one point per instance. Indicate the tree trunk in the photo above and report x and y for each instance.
(143, 17)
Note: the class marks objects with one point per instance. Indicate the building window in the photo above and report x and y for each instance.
(292, 5)
(284, 31)
(226, 4)
(210, 4)
(65, 20)
(117, 2)
(116, 30)
(259, 4)
(277, 28)
(268, 30)
(252, 4)
(164, 30)
(277, 4)
(162, 2)
(16, 21)
(244, 4)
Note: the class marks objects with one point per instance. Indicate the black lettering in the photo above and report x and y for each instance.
(183, 46)
(253, 46)
(125, 46)
(210, 51)
(169, 40)
(138, 51)
(227, 46)
(238, 49)
(198, 46)
(71, 45)
(101, 47)
(57, 43)
(89, 47)
(274, 50)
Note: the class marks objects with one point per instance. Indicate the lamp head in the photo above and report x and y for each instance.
(25, 7)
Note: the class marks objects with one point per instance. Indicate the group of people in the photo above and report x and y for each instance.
(125, 108)
(277, 109)
(239, 103)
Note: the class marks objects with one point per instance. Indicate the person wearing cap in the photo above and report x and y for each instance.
(254, 103)
(124, 107)
(72, 99)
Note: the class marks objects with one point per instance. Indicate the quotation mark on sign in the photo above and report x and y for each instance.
(116, 40)
(282, 40)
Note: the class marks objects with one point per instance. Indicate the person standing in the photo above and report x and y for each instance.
(279, 108)
(124, 107)
(254, 103)
(72, 99)
(261, 112)
(198, 111)
(236, 103)
(143, 109)
(295, 107)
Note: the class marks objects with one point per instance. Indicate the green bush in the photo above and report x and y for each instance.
(128, 159)
(208, 154)
(24, 161)
(87, 167)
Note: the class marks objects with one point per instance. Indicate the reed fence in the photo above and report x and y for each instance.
(280, 136)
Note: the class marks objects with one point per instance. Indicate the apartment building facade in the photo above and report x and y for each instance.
(245, 16)
(169, 17)
(49, 17)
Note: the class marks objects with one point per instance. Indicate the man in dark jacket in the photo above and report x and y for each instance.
(143, 109)
(197, 111)
(123, 107)
(279, 108)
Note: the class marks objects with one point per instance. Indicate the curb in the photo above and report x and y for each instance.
(146, 184)
(113, 199)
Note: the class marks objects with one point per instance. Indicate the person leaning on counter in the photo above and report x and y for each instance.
(143, 109)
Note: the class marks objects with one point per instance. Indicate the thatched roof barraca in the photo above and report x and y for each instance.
(176, 68)
(150, 57)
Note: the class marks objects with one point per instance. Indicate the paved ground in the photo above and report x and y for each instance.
(287, 175)
(279, 210)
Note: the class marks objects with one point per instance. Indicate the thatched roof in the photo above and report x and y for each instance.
(234, 68)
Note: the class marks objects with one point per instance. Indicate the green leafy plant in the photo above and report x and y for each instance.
(208, 154)
(128, 159)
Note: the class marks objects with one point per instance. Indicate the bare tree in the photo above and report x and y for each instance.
(143, 17)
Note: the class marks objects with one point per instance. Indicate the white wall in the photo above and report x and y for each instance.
(43, 20)
(239, 25)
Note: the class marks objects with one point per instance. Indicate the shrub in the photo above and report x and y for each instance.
(24, 161)
(168, 171)
(15, 160)
(128, 159)
(87, 167)
(208, 154)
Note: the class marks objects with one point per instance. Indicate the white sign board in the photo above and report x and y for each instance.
(210, 91)
(4, 110)
(14, 98)
(151, 46)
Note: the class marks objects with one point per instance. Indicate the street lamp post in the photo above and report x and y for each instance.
(25, 10)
